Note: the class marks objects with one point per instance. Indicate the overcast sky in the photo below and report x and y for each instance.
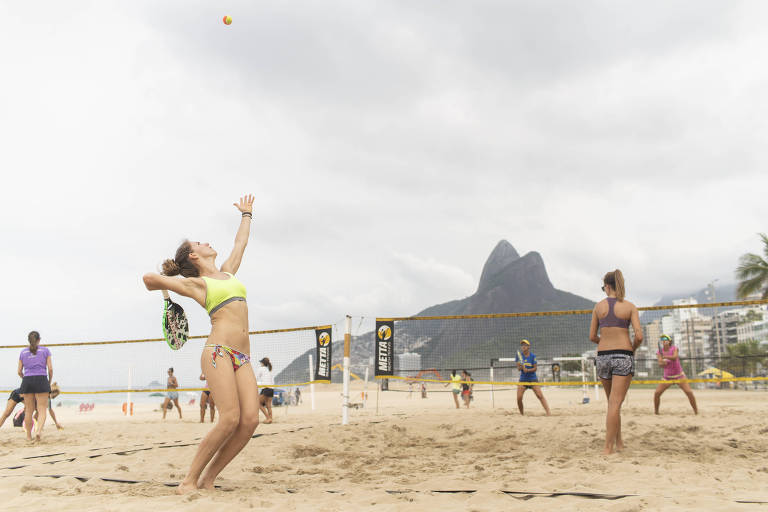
(390, 146)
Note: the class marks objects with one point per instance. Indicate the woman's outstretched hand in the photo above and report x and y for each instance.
(246, 204)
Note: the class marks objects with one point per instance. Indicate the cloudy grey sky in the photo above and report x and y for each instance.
(390, 147)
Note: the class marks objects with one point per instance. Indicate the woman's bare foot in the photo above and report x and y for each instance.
(268, 421)
(619, 446)
(38, 437)
(185, 487)
(205, 485)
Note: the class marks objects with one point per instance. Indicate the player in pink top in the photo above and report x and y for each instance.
(670, 360)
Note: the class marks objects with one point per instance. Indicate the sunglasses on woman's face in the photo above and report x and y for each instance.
(602, 287)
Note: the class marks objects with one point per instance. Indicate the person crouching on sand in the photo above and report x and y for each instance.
(55, 391)
(14, 399)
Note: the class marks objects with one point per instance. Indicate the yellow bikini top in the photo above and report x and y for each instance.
(220, 292)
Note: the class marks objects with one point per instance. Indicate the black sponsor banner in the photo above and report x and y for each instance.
(385, 348)
(323, 360)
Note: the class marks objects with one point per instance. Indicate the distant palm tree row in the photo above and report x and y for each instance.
(752, 272)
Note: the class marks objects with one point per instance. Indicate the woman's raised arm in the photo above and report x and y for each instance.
(241, 239)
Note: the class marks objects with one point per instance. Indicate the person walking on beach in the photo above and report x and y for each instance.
(466, 387)
(14, 399)
(225, 357)
(527, 364)
(669, 360)
(36, 372)
(455, 387)
(265, 379)
(615, 360)
(206, 400)
(171, 395)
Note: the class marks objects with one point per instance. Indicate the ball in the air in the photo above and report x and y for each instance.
(227, 20)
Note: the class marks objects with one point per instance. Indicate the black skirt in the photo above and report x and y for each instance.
(35, 384)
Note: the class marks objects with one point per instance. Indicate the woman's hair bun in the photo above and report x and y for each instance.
(170, 268)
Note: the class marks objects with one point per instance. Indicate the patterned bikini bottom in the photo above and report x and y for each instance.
(238, 358)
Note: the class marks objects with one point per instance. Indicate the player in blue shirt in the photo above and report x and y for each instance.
(526, 363)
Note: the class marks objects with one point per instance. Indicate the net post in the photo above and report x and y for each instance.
(345, 393)
(493, 401)
(594, 379)
(128, 410)
(312, 382)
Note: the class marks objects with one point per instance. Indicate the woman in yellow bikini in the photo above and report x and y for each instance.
(225, 357)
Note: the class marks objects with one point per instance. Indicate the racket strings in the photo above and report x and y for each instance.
(175, 325)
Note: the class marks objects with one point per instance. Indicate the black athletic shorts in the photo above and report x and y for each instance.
(35, 384)
(268, 392)
(16, 396)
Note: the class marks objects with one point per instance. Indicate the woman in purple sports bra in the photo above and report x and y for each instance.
(669, 360)
(615, 352)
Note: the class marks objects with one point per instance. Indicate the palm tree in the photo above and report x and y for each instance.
(752, 272)
(743, 359)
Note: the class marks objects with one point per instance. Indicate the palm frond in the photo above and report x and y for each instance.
(752, 272)
(749, 286)
(764, 238)
(751, 265)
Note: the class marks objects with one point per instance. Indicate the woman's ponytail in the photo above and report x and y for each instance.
(618, 278)
(34, 340)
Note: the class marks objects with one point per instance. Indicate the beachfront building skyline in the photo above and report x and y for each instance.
(698, 335)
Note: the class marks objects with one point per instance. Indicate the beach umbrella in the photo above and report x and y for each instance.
(716, 371)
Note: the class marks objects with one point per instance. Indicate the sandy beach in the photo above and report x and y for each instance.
(414, 454)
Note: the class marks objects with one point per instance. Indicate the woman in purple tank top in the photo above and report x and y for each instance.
(615, 352)
(36, 372)
(670, 360)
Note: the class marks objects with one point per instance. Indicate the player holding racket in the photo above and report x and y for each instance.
(527, 364)
(615, 360)
(669, 359)
(226, 355)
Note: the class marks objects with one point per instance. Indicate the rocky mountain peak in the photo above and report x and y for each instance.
(501, 256)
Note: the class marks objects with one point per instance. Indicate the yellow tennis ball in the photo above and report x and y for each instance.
(227, 20)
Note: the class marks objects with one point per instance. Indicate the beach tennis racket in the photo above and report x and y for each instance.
(175, 325)
(520, 360)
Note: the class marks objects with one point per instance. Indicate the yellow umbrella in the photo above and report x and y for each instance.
(716, 371)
